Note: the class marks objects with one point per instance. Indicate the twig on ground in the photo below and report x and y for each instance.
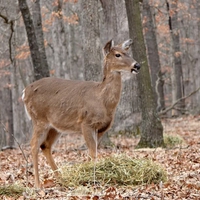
(24, 157)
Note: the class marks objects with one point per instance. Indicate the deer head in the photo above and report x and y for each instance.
(117, 58)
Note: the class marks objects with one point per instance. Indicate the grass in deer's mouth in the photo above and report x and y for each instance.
(116, 170)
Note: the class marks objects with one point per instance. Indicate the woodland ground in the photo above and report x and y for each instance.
(181, 163)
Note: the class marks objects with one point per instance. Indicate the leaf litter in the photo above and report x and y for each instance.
(181, 162)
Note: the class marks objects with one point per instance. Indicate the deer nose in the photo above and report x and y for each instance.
(137, 66)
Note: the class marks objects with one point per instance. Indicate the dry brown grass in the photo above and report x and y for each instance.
(172, 141)
(14, 190)
(116, 170)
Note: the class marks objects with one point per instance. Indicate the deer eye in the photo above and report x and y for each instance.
(117, 55)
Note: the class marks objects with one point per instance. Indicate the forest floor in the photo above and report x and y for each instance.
(181, 163)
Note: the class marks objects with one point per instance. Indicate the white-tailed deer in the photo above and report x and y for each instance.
(57, 105)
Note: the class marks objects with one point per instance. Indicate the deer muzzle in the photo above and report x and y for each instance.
(136, 68)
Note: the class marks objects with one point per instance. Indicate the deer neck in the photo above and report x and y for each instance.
(110, 88)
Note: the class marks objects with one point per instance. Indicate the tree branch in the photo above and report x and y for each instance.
(11, 22)
(183, 98)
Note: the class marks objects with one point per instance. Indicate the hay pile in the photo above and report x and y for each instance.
(13, 190)
(117, 170)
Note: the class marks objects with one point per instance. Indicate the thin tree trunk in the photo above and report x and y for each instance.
(37, 21)
(151, 130)
(10, 120)
(39, 70)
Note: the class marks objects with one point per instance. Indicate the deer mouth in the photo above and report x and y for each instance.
(134, 71)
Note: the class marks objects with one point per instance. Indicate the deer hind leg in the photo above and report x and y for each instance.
(39, 135)
(90, 136)
(46, 147)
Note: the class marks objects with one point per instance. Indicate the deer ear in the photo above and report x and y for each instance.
(126, 44)
(107, 47)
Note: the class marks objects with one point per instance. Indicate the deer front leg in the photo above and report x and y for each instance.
(90, 136)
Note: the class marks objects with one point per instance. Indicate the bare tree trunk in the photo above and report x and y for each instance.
(10, 119)
(7, 93)
(91, 40)
(152, 130)
(61, 57)
(39, 69)
(37, 21)
(75, 42)
(177, 74)
(153, 56)
(2, 129)
(109, 21)
(197, 79)
(74, 46)
(7, 112)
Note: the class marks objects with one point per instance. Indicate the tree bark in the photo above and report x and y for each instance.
(177, 74)
(151, 128)
(59, 39)
(7, 103)
(74, 41)
(37, 21)
(197, 79)
(153, 56)
(109, 22)
(91, 40)
(10, 119)
(39, 70)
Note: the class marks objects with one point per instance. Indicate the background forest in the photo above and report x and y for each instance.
(171, 29)
(64, 38)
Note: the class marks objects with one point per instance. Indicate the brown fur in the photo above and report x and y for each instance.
(57, 105)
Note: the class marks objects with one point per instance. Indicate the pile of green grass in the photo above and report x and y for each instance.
(13, 190)
(118, 170)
